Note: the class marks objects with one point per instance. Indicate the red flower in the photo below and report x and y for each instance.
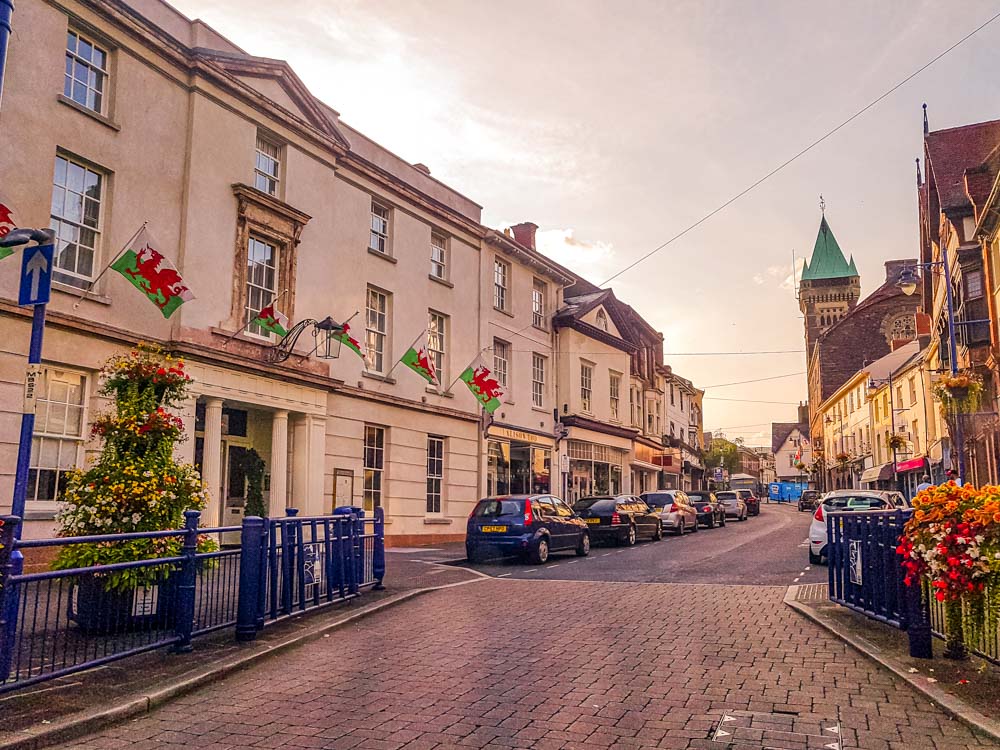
(939, 596)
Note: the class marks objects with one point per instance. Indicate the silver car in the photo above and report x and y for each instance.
(735, 507)
(675, 510)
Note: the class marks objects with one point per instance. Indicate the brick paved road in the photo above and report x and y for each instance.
(556, 664)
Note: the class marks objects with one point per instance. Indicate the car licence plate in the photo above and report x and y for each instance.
(494, 529)
(593, 520)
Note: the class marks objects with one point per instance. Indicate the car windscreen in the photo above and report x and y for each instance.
(494, 507)
(810, 494)
(657, 500)
(726, 497)
(855, 502)
(594, 503)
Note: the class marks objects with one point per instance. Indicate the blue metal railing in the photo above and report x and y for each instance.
(57, 622)
(866, 575)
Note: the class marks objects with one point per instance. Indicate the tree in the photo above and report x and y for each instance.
(723, 453)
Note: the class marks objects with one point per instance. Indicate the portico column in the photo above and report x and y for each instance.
(279, 464)
(184, 449)
(211, 462)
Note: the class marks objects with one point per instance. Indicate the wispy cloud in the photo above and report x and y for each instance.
(787, 278)
(592, 259)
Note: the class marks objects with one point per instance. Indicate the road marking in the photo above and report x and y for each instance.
(606, 554)
(554, 565)
(807, 567)
(797, 579)
(533, 570)
(503, 575)
(571, 562)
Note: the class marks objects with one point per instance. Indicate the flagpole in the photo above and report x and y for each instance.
(422, 333)
(246, 322)
(120, 253)
(472, 362)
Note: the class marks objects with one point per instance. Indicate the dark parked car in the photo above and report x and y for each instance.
(711, 512)
(733, 504)
(751, 500)
(528, 525)
(620, 518)
(808, 500)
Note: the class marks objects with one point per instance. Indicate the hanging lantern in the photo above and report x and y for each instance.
(329, 338)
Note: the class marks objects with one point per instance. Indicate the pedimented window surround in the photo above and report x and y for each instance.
(266, 217)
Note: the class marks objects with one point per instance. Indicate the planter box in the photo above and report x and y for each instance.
(99, 612)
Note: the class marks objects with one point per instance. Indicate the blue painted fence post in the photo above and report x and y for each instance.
(188, 580)
(10, 565)
(289, 538)
(264, 572)
(251, 552)
(352, 555)
(378, 560)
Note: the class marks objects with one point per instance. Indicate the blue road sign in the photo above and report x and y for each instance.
(36, 275)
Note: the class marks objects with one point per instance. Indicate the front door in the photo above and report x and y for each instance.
(235, 491)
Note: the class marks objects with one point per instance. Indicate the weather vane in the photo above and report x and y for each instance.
(822, 204)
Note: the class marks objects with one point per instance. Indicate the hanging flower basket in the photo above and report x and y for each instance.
(959, 393)
(842, 458)
(895, 442)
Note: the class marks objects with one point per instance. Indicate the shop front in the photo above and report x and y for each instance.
(518, 462)
(876, 478)
(594, 469)
(646, 467)
(909, 473)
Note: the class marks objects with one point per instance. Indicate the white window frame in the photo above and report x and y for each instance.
(258, 272)
(98, 77)
(69, 227)
(373, 462)
(614, 393)
(586, 386)
(264, 161)
(501, 362)
(69, 443)
(439, 256)
(539, 291)
(537, 380)
(380, 228)
(437, 342)
(435, 474)
(501, 284)
(377, 328)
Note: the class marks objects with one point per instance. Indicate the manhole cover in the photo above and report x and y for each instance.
(746, 729)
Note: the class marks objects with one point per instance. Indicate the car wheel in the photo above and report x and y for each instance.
(815, 559)
(696, 525)
(722, 521)
(711, 522)
(541, 554)
(658, 532)
(630, 539)
(583, 548)
(471, 555)
(680, 528)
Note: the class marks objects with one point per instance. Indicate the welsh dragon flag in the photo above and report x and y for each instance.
(271, 320)
(358, 347)
(153, 274)
(7, 223)
(418, 360)
(484, 386)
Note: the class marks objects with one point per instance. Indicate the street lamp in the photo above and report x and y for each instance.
(328, 334)
(907, 283)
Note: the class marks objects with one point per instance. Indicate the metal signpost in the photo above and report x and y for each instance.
(35, 288)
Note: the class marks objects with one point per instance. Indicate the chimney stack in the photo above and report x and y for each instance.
(525, 233)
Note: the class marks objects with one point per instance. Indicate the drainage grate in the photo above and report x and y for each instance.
(812, 592)
(777, 731)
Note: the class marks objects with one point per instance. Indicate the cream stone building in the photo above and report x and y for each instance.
(118, 117)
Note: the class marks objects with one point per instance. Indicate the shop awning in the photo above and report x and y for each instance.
(913, 464)
(877, 473)
(643, 466)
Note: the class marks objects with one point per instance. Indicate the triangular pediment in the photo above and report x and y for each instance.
(599, 317)
(276, 81)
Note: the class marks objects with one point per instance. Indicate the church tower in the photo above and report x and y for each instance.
(829, 288)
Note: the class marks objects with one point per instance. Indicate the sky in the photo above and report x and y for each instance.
(615, 125)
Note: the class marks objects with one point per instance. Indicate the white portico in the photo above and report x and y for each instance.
(231, 413)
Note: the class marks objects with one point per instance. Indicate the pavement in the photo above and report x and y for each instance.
(632, 649)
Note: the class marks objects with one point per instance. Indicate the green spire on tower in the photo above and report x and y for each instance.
(827, 261)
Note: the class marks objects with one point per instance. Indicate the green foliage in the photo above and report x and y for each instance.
(723, 453)
(135, 485)
(253, 468)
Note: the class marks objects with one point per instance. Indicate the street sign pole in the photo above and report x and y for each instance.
(36, 281)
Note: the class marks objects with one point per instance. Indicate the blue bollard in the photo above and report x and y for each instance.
(10, 565)
(251, 553)
(188, 580)
(378, 559)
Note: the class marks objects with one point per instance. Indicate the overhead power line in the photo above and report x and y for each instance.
(804, 151)
(750, 401)
(755, 380)
(727, 354)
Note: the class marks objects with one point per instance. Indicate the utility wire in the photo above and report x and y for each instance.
(804, 151)
(756, 380)
(750, 401)
(726, 354)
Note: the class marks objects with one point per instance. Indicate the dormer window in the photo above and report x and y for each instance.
(602, 320)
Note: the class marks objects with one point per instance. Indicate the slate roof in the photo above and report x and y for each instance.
(952, 152)
(827, 261)
(781, 430)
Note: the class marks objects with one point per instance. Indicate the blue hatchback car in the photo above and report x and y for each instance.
(531, 526)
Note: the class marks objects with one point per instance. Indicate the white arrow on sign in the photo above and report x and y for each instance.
(728, 718)
(833, 746)
(722, 733)
(36, 266)
(835, 730)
